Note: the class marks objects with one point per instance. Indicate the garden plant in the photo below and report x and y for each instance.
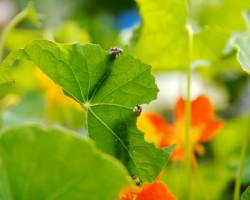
(125, 100)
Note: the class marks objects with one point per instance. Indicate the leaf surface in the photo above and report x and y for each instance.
(164, 40)
(224, 13)
(56, 164)
(242, 43)
(246, 194)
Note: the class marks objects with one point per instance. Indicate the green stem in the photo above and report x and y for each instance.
(15, 21)
(241, 166)
(188, 148)
(1, 119)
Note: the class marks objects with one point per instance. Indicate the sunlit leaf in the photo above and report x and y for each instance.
(164, 39)
(218, 20)
(108, 89)
(56, 164)
(209, 43)
(223, 13)
(71, 32)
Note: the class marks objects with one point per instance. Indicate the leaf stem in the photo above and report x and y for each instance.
(16, 20)
(188, 148)
(241, 165)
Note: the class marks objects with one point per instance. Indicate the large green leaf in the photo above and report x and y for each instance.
(108, 89)
(246, 194)
(164, 41)
(56, 164)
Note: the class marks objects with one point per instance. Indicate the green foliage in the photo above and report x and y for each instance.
(23, 112)
(223, 13)
(56, 164)
(217, 22)
(242, 42)
(209, 43)
(71, 32)
(243, 45)
(246, 194)
(97, 81)
(46, 163)
(164, 37)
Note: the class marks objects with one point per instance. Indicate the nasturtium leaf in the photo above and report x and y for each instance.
(217, 20)
(164, 40)
(23, 112)
(209, 43)
(246, 194)
(243, 46)
(224, 13)
(108, 89)
(56, 164)
(242, 42)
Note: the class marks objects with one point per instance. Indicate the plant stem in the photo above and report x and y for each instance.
(241, 165)
(188, 148)
(16, 20)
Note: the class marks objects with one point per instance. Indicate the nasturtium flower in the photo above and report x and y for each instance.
(203, 127)
(53, 93)
(154, 191)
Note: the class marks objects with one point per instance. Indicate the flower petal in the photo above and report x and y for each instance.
(202, 110)
(212, 128)
(155, 191)
(180, 108)
(155, 128)
(128, 194)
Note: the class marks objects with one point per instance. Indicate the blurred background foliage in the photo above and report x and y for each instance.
(33, 98)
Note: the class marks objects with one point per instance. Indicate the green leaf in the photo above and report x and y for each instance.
(218, 20)
(5, 67)
(56, 164)
(243, 46)
(242, 43)
(224, 13)
(164, 40)
(108, 89)
(209, 43)
(23, 112)
(246, 194)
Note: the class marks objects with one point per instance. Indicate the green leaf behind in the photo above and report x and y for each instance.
(23, 112)
(164, 40)
(242, 43)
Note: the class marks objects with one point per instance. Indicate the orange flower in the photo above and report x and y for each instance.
(153, 191)
(203, 126)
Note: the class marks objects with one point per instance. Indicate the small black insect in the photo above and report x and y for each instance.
(136, 180)
(115, 51)
(137, 109)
